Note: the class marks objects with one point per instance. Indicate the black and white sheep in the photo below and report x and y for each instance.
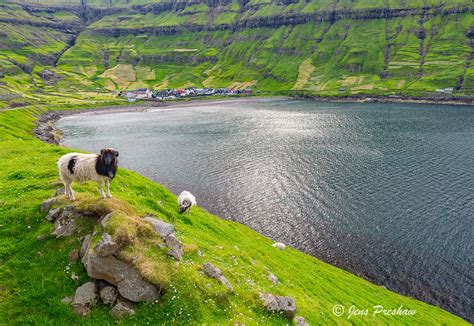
(88, 167)
(186, 200)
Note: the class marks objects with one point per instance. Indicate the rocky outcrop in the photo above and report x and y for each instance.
(100, 260)
(124, 276)
(278, 304)
(63, 27)
(214, 272)
(116, 281)
(45, 130)
(279, 20)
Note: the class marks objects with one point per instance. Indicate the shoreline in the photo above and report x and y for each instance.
(47, 131)
(387, 99)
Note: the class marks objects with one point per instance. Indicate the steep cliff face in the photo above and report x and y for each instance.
(318, 47)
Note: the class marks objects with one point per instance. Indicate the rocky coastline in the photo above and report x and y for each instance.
(444, 100)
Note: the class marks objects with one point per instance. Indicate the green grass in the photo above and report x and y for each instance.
(36, 275)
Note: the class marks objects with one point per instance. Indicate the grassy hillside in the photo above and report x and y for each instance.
(320, 47)
(322, 58)
(36, 275)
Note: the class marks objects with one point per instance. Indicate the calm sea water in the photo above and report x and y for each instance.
(385, 191)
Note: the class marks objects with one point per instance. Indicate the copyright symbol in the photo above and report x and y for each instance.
(338, 310)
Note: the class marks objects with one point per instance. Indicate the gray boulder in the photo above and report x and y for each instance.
(108, 295)
(121, 310)
(84, 299)
(124, 276)
(279, 304)
(214, 272)
(53, 214)
(46, 205)
(175, 247)
(162, 228)
(107, 246)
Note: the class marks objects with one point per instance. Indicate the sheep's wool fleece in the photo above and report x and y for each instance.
(279, 245)
(186, 195)
(84, 169)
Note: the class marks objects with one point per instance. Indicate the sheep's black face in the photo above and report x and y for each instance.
(109, 156)
(107, 163)
(186, 204)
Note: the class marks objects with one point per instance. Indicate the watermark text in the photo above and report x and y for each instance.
(340, 310)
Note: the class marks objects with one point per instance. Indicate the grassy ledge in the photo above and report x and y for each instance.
(36, 275)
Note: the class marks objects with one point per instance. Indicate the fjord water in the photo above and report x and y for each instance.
(385, 191)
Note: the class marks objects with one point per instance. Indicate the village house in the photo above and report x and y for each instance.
(139, 94)
(447, 90)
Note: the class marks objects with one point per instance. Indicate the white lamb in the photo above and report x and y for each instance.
(186, 200)
(88, 167)
(279, 245)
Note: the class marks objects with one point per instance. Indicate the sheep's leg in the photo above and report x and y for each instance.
(71, 192)
(66, 189)
(101, 188)
(107, 186)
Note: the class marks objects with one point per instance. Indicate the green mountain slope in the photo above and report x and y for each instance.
(318, 47)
